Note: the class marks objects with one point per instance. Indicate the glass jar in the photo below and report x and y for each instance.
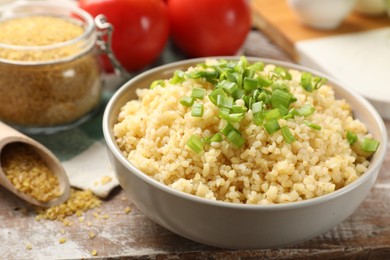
(51, 81)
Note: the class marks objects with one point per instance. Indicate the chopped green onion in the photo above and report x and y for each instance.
(235, 138)
(215, 93)
(156, 83)
(238, 94)
(228, 128)
(272, 114)
(369, 145)
(318, 82)
(250, 84)
(264, 82)
(351, 137)
(187, 101)
(198, 93)
(224, 101)
(224, 113)
(288, 137)
(197, 110)
(236, 117)
(178, 77)
(280, 84)
(280, 98)
(283, 73)
(306, 79)
(258, 66)
(228, 86)
(258, 118)
(239, 109)
(271, 126)
(313, 126)
(283, 111)
(306, 110)
(249, 73)
(195, 74)
(195, 143)
(257, 107)
(216, 138)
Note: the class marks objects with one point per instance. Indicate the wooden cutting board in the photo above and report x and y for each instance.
(275, 18)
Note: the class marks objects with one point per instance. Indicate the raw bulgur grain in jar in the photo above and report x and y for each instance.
(49, 71)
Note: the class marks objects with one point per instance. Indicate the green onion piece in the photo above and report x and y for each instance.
(236, 117)
(216, 138)
(224, 101)
(195, 143)
(224, 113)
(288, 137)
(351, 137)
(272, 114)
(216, 92)
(198, 93)
(264, 97)
(227, 129)
(195, 74)
(258, 118)
(197, 110)
(235, 138)
(283, 111)
(249, 73)
(318, 82)
(156, 83)
(306, 81)
(280, 98)
(264, 82)
(291, 114)
(250, 84)
(239, 109)
(369, 145)
(187, 101)
(238, 94)
(283, 73)
(241, 65)
(313, 126)
(258, 66)
(306, 110)
(271, 126)
(280, 84)
(257, 107)
(211, 74)
(178, 77)
(228, 86)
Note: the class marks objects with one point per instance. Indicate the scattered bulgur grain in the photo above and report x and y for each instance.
(127, 210)
(81, 219)
(105, 216)
(62, 240)
(79, 201)
(89, 223)
(93, 252)
(105, 180)
(28, 246)
(28, 172)
(62, 231)
(91, 235)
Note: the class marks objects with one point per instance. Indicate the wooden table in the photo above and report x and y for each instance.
(366, 234)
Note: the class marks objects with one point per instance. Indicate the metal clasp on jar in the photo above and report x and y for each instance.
(104, 42)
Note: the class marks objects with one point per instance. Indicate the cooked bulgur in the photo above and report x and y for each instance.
(153, 134)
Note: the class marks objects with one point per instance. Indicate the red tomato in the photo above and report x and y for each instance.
(209, 27)
(141, 29)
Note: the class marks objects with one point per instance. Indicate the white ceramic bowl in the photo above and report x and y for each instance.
(322, 14)
(231, 225)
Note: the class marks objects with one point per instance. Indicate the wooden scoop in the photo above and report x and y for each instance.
(9, 135)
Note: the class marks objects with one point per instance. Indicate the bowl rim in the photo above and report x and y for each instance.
(373, 168)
